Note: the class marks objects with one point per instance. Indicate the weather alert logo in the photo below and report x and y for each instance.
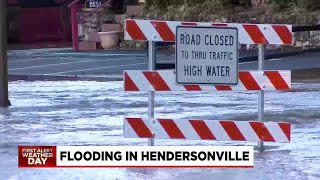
(36, 156)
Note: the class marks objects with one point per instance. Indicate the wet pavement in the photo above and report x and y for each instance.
(91, 113)
(65, 62)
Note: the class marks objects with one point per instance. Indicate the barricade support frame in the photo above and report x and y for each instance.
(266, 31)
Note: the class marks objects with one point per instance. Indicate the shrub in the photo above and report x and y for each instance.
(281, 4)
(302, 4)
(225, 3)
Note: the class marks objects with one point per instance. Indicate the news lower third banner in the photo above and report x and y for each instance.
(136, 156)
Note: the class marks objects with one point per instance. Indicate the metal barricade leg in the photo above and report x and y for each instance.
(151, 66)
(261, 93)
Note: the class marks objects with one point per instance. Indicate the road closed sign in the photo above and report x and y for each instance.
(207, 55)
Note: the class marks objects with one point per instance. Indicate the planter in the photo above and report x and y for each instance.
(109, 39)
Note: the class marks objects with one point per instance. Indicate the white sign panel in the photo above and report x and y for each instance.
(207, 55)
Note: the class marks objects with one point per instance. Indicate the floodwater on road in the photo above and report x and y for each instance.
(91, 113)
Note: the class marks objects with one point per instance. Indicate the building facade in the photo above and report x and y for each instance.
(32, 21)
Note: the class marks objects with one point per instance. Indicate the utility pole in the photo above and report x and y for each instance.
(4, 95)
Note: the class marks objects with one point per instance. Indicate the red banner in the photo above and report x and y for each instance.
(37, 156)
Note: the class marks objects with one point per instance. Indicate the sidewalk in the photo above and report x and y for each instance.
(108, 65)
(39, 45)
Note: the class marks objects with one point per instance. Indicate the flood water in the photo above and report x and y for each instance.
(91, 113)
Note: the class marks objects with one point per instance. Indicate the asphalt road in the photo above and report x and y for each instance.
(57, 62)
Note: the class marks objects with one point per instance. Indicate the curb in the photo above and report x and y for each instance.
(15, 77)
(311, 75)
(250, 58)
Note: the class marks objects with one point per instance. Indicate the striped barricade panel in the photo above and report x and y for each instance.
(164, 31)
(135, 80)
(250, 131)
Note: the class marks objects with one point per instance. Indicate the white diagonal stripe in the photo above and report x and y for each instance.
(270, 34)
(204, 24)
(217, 130)
(290, 28)
(276, 132)
(148, 30)
(170, 79)
(286, 75)
(159, 131)
(187, 129)
(247, 131)
(267, 83)
(259, 78)
(208, 88)
(243, 35)
(127, 36)
(238, 87)
(140, 80)
(128, 131)
(173, 25)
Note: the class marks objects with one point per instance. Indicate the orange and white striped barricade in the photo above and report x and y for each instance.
(135, 80)
(164, 31)
(259, 80)
(216, 130)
